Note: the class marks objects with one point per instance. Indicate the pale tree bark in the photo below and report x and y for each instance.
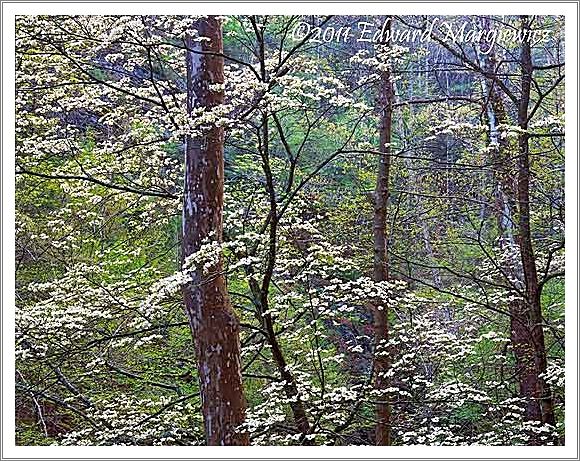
(213, 322)
(380, 268)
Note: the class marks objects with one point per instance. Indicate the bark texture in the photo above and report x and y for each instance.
(380, 269)
(533, 308)
(214, 324)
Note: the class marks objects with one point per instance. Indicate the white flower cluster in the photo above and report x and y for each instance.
(128, 420)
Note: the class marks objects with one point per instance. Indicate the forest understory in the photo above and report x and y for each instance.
(289, 230)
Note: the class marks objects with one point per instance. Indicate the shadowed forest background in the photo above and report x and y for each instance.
(259, 230)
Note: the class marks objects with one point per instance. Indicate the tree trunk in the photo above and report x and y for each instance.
(380, 270)
(533, 305)
(507, 192)
(290, 387)
(261, 292)
(214, 324)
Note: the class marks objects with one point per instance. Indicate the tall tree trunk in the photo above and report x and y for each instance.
(533, 304)
(380, 269)
(214, 324)
(505, 208)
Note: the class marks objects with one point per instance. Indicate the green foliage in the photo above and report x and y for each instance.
(103, 341)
